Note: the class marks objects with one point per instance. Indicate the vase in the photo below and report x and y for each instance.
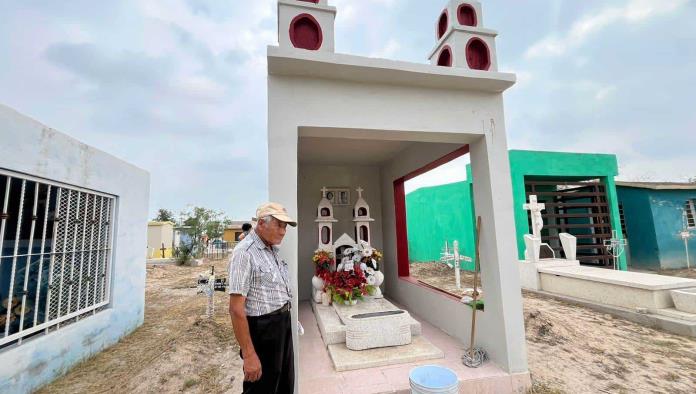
(379, 278)
(317, 283)
(326, 299)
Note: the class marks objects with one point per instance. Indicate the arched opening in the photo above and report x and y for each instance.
(442, 24)
(362, 211)
(363, 234)
(445, 58)
(305, 32)
(466, 14)
(325, 235)
(477, 55)
(325, 212)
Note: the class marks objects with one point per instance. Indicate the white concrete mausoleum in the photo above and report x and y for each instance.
(348, 121)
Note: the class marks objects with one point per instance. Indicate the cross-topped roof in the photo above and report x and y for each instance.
(359, 190)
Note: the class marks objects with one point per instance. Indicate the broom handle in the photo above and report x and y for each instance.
(474, 302)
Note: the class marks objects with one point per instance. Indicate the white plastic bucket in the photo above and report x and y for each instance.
(433, 379)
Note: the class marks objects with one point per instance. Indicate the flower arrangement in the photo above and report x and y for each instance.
(348, 286)
(354, 278)
(322, 260)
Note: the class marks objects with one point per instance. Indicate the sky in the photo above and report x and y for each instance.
(178, 87)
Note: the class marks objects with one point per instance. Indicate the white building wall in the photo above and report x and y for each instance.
(31, 148)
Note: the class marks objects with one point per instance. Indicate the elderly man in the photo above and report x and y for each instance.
(260, 297)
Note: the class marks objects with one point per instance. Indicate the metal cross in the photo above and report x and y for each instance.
(615, 246)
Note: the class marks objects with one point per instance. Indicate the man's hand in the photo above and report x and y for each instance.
(252, 364)
(252, 368)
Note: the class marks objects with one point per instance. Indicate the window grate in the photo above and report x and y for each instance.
(55, 251)
(690, 210)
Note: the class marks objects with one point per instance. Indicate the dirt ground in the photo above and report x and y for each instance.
(571, 349)
(576, 350)
(177, 349)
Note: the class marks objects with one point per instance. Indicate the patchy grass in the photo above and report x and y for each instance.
(544, 388)
(188, 383)
(177, 348)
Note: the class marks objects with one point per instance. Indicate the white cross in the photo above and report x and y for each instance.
(535, 209)
(359, 190)
(323, 191)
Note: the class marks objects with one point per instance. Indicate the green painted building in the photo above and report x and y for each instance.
(577, 188)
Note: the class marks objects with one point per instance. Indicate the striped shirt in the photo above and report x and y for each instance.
(259, 274)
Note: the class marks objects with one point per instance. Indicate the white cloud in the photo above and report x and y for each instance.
(604, 92)
(632, 12)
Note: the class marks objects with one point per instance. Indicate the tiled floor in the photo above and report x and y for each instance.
(317, 375)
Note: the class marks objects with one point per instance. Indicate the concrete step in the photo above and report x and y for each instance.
(419, 349)
(676, 314)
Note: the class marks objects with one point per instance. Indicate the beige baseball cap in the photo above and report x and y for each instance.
(277, 211)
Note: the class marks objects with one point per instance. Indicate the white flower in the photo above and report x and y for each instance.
(371, 280)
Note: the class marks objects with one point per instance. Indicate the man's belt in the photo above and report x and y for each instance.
(283, 309)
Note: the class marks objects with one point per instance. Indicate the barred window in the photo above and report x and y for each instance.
(55, 255)
(690, 210)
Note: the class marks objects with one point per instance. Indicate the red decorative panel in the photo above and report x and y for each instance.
(445, 58)
(466, 14)
(305, 32)
(401, 227)
(478, 56)
(325, 235)
(442, 24)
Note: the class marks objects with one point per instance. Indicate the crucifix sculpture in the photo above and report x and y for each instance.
(535, 209)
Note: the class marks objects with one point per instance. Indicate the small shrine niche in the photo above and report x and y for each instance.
(445, 58)
(462, 40)
(477, 55)
(466, 14)
(306, 24)
(361, 218)
(442, 24)
(325, 220)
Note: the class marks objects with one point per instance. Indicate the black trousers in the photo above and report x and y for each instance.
(272, 339)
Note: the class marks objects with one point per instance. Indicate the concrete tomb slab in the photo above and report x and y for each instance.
(529, 271)
(331, 319)
(378, 329)
(619, 288)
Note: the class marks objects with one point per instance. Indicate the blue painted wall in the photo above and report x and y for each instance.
(654, 219)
